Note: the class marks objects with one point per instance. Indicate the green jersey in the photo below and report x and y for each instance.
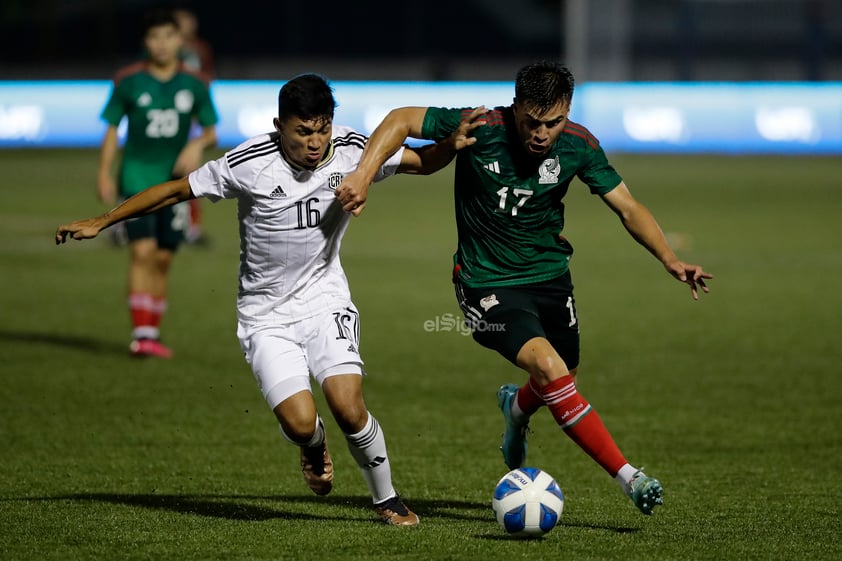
(160, 115)
(509, 210)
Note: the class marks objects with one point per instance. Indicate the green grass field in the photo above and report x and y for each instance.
(733, 402)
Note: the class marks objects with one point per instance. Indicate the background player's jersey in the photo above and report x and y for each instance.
(291, 224)
(160, 115)
(509, 210)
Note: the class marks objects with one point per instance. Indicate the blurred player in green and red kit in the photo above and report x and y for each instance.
(197, 55)
(161, 100)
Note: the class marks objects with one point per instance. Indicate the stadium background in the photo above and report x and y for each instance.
(721, 76)
(603, 40)
(734, 401)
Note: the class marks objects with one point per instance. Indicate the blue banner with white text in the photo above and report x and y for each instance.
(729, 118)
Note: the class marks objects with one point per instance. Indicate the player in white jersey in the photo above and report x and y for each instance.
(295, 315)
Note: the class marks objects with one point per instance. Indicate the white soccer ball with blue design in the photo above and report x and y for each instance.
(527, 502)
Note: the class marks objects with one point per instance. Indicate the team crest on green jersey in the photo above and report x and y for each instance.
(549, 171)
(184, 101)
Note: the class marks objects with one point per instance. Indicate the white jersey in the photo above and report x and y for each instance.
(291, 224)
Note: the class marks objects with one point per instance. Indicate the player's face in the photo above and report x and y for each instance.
(305, 142)
(538, 130)
(163, 43)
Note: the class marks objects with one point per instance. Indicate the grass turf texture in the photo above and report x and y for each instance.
(733, 401)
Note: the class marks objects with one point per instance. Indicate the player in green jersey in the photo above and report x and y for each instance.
(160, 101)
(511, 264)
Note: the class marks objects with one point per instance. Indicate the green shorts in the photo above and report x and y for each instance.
(505, 318)
(167, 226)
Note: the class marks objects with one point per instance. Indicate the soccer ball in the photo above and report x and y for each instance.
(527, 502)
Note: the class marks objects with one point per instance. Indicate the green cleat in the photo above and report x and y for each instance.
(514, 438)
(645, 492)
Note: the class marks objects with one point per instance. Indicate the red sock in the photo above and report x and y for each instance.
(157, 309)
(140, 309)
(195, 212)
(529, 398)
(582, 424)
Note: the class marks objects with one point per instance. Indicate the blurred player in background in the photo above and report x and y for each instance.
(197, 55)
(196, 52)
(511, 264)
(160, 100)
(294, 308)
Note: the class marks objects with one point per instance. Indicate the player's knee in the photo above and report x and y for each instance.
(297, 430)
(542, 361)
(351, 417)
(297, 418)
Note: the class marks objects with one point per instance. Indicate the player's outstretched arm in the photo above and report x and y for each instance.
(145, 202)
(643, 227)
(430, 158)
(389, 135)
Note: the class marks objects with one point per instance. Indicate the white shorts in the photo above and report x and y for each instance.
(283, 357)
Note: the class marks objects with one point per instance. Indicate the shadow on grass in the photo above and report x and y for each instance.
(255, 508)
(69, 341)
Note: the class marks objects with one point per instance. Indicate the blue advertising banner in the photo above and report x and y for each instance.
(734, 118)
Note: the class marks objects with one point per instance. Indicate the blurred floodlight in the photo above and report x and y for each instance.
(374, 114)
(253, 120)
(787, 124)
(22, 122)
(653, 124)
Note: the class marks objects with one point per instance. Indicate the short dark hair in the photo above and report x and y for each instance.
(543, 84)
(308, 97)
(156, 17)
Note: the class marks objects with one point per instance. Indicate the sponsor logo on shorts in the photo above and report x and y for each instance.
(489, 302)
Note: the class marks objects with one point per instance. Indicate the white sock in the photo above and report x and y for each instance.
(624, 476)
(317, 439)
(518, 416)
(318, 434)
(368, 447)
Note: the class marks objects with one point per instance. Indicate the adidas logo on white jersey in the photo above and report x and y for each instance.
(493, 166)
(277, 193)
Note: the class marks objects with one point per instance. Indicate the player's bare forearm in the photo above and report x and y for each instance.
(108, 150)
(106, 186)
(646, 230)
(433, 157)
(191, 156)
(386, 139)
(641, 224)
(145, 202)
(208, 137)
(390, 135)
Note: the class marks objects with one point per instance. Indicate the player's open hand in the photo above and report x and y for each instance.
(462, 137)
(78, 230)
(692, 275)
